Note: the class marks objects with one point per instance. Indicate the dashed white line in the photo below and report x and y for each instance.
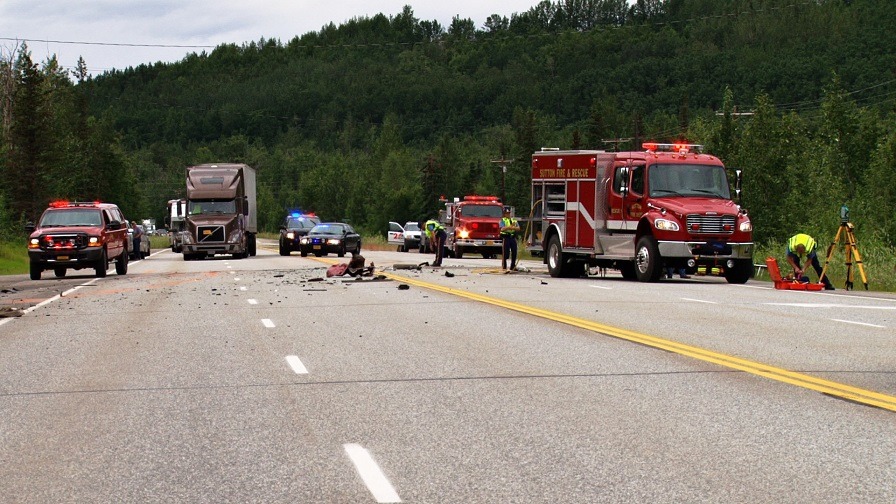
(268, 323)
(698, 301)
(253, 301)
(859, 323)
(296, 364)
(600, 287)
(371, 473)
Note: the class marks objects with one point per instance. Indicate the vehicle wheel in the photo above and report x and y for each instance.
(318, 254)
(102, 264)
(628, 270)
(283, 250)
(358, 248)
(341, 252)
(555, 257)
(459, 253)
(647, 260)
(740, 273)
(148, 252)
(303, 253)
(121, 264)
(251, 245)
(35, 271)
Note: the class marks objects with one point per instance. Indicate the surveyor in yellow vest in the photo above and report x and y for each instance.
(798, 246)
(509, 229)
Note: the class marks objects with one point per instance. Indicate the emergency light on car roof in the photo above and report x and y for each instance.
(481, 198)
(302, 214)
(64, 204)
(680, 148)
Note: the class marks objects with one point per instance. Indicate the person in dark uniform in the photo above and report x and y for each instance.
(509, 228)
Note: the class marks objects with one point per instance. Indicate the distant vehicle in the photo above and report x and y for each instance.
(293, 229)
(177, 212)
(336, 237)
(144, 251)
(221, 211)
(78, 235)
(395, 235)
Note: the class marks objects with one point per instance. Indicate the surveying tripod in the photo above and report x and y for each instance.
(850, 247)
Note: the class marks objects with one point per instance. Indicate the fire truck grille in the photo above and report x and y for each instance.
(210, 233)
(711, 224)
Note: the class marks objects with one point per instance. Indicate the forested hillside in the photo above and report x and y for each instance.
(374, 119)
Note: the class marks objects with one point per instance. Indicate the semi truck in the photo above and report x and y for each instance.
(668, 206)
(221, 216)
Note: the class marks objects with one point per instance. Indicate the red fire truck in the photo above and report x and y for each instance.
(668, 206)
(473, 225)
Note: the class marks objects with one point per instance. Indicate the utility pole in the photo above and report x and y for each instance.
(503, 164)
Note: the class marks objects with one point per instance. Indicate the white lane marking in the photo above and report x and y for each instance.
(698, 301)
(253, 301)
(859, 323)
(50, 300)
(371, 473)
(268, 323)
(600, 287)
(832, 305)
(296, 364)
(242, 288)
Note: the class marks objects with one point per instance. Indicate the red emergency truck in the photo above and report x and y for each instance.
(668, 206)
(473, 226)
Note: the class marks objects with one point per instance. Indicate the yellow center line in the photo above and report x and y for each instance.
(836, 389)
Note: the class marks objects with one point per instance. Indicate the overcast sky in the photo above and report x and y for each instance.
(111, 33)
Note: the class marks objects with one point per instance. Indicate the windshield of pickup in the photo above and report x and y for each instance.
(688, 180)
(199, 207)
(71, 217)
(481, 211)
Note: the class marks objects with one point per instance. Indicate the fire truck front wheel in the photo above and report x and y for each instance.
(740, 273)
(555, 257)
(647, 260)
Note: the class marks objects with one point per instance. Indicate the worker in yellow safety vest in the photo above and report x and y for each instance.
(798, 246)
(509, 229)
(436, 235)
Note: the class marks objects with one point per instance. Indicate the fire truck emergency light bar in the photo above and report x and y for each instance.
(681, 148)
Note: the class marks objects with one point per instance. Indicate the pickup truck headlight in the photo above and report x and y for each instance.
(746, 226)
(666, 225)
(93, 241)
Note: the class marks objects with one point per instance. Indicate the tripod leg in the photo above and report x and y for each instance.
(855, 248)
(849, 273)
(830, 254)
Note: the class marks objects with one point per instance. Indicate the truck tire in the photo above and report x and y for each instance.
(555, 257)
(35, 271)
(627, 269)
(102, 264)
(740, 273)
(648, 263)
(459, 253)
(251, 246)
(121, 264)
(59, 272)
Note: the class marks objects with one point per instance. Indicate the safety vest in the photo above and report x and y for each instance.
(508, 222)
(801, 239)
(431, 227)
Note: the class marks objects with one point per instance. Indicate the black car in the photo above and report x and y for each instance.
(330, 237)
(295, 227)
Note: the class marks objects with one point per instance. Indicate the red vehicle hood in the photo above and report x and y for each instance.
(684, 206)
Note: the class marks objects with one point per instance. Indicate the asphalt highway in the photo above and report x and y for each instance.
(262, 380)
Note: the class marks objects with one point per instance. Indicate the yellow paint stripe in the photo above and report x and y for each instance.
(836, 389)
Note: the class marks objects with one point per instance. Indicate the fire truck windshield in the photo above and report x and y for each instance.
(688, 180)
(481, 211)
